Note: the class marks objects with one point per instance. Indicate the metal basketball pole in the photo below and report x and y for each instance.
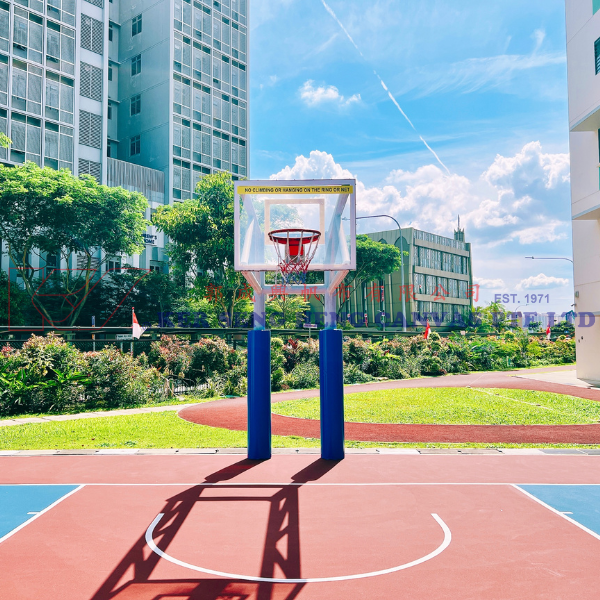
(259, 384)
(331, 366)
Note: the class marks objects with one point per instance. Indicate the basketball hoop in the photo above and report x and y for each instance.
(295, 250)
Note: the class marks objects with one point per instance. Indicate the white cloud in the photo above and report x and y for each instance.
(319, 165)
(313, 96)
(490, 284)
(516, 200)
(541, 282)
(479, 74)
(514, 207)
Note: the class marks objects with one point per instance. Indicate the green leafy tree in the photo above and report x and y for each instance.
(491, 319)
(283, 311)
(373, 261)
(203, 244)
(13, 302)
(46, 212)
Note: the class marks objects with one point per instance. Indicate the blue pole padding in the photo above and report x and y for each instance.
(259, 394)
(331, 363)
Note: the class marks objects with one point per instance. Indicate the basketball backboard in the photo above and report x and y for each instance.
(327, 206)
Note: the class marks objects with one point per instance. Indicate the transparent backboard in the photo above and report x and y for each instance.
(326, 206)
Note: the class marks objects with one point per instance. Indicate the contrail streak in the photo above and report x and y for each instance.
(391, 96)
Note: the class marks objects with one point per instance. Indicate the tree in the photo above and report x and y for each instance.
(13, 302)
(45, 212)
(491, 319)
(283, 310)
(203, 244)
(373, 261)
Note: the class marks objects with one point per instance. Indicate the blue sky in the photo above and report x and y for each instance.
(484, 83)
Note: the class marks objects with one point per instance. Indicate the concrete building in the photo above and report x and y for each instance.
(583, 63)
(437, 283)
(147, 95)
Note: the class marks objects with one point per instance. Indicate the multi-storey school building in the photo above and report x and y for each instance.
(583, 65)
(435, 284)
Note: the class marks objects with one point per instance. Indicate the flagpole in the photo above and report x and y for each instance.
(132, 317)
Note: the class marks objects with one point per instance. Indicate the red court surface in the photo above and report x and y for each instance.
(411, 527)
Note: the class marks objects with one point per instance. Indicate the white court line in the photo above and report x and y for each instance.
(38, 515)
(438, 550)
(557, 512)
(311, 484)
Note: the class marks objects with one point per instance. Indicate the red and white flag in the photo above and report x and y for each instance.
(548, 332)
(136, 329)
(427, 331)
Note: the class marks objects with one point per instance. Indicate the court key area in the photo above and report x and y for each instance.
(216, 527)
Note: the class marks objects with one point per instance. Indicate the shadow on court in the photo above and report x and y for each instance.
(132, 578)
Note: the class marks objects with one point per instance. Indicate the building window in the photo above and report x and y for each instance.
(135, 146)
(597, 55)
(136, 65)
(110, 32)
(136, 25)
(110, 73)
(110, 111)
(135, 105)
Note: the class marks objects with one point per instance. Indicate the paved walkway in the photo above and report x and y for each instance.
(90, 415)
(231, 413)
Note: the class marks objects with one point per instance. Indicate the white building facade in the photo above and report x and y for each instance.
(149, 95)
(583, 62)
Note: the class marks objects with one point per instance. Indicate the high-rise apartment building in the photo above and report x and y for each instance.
(148, 95)
(583, 64)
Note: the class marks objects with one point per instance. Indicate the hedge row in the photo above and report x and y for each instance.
(48, 374)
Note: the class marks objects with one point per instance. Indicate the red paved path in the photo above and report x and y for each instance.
(231, 414)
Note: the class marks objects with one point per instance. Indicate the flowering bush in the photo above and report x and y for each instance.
(50, 375)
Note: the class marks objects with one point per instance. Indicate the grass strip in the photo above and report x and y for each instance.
(460, 406)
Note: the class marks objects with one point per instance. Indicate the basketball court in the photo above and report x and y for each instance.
(222, 527)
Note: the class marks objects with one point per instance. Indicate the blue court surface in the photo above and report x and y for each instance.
(578, 502)
(20, 503)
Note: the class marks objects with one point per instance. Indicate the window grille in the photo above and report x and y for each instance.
(90, 129)
(89, 167)
(597, 55)
(98, 3)
(90, 83)
(92, 34)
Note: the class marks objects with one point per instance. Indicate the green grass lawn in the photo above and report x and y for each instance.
(167, 430)
(177, 401)
(148, 430)
(455, 406)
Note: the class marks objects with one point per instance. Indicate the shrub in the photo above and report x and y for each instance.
(432, 365)
(120, 380)
(303, 376)
(352, 374)
(211, 357)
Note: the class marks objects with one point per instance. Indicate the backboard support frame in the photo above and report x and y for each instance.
(335, 241)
